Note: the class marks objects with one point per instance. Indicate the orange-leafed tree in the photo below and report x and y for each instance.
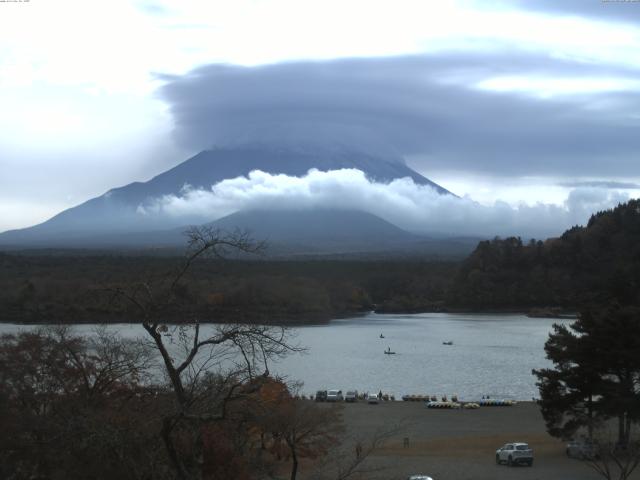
(302, 429)
(221, 458)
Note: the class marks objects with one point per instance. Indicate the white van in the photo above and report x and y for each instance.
(334, 396)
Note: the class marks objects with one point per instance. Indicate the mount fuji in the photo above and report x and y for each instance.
(114, 220)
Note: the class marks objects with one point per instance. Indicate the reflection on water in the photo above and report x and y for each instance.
(491, 354)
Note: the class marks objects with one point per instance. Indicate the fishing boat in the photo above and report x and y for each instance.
(389, 352)
(450, 342)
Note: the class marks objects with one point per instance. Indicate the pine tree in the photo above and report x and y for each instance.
(596, 374)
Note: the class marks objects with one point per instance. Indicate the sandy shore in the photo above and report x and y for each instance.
(459, 444)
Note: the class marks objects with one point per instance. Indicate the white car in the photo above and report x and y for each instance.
(334, 396)
(372, 398)
(351, 396)
(514, 453)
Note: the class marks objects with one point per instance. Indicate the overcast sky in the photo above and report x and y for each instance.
(524, 102)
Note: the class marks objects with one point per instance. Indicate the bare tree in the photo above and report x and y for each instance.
(104, 362)
(343, 464)
(65, 398)
(206, 371)
(303, 429)
(610, 459)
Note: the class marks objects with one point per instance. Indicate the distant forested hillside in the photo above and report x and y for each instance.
(74, 288)
(596, 263)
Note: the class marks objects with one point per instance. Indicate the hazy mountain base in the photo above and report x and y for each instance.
(290, 233)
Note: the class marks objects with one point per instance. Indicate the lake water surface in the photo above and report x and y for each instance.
(491, 354)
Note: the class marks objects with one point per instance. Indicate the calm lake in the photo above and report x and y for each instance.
(491, 354)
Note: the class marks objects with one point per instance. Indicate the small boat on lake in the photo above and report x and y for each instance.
(389, 352)
(450, 342)
(381, 336)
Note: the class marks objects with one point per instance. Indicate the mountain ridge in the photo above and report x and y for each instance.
(116, 211)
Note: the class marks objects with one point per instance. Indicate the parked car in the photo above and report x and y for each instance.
(321, 396)
(514, 454)
(583, 449)
(351, 396)
(372, 398)
(419, 477)
(334, 396)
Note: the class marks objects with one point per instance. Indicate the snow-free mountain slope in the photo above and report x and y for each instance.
(117, 211)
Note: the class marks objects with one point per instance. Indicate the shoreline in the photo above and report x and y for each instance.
(316, 320)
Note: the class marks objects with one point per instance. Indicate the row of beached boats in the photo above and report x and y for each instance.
(471, 405)
(434, 402)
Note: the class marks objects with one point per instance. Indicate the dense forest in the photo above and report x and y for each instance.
(75, 288)
(593, 264)
(596, 263)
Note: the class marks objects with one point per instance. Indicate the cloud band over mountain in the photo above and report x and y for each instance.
(413, 207)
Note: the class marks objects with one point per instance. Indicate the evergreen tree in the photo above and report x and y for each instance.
(596, 374)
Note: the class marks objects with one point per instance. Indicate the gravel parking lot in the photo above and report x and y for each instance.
(460, 444)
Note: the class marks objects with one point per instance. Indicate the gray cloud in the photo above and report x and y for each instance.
(602, 184)
(616, 10)
(425, 106)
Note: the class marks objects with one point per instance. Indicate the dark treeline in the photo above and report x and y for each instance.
(593, 264)
(74, 288)
(597, 264)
